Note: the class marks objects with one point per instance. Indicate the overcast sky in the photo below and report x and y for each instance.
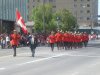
(99, 7)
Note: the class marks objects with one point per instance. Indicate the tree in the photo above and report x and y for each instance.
(40, 13)
(47, 20)
(67, 21)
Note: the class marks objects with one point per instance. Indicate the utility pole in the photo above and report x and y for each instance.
(1, 26)
(92, 18)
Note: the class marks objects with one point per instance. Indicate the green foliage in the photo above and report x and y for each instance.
(40, 12)
(66, 20)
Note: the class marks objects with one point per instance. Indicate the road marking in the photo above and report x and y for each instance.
(78, 55)
(40, 59)
(2, 68)
(29, 62)
(75, 73)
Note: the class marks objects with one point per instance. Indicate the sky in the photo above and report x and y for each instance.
(99, 7)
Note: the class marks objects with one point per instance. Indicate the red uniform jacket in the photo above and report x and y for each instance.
(58, 37)
(52, 39)
(66, 37)
(15, 39)
(70, 38)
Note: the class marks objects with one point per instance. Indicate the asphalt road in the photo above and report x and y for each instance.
(83, 61)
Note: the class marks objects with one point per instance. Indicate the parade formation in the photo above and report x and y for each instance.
(68, 40)
(62, 40)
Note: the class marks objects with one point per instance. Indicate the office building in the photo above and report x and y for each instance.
(7, 13)
(85, 11)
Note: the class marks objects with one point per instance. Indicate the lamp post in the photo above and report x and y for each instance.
(84, 6)
(91, 17)
(1, 26)
(58, 19)
(91, 22)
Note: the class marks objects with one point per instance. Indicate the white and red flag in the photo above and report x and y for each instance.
(20, 21)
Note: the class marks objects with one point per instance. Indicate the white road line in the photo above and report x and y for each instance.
(29, 62)
(68, 54)
(2, 68)
(75, 73)
(92, 56)
(40, 59)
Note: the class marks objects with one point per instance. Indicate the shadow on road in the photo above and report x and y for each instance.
(94, 45)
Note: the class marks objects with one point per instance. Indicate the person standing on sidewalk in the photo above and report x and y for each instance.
(33, 42)
(3, 42)
(7, 41)
(14, 41)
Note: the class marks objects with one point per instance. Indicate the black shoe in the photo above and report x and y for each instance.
(32, 55)
(14, 55)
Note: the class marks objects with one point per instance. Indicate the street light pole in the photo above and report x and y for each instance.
(1, 25)
(91, 22)
(58, 23)
(91, 15)
(84, 6)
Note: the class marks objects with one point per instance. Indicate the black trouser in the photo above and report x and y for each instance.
(14, 48)
(80, 44)
(59, 45)
(8, 44)
(70, 45)
(33, 47)
(52, 46)
(85, 43)
(66, 45)
(75, 45)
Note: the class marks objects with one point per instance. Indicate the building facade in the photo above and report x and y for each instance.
(7, 13)
(85, 11)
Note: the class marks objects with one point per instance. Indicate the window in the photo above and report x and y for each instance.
(75, 0)
(82, 0)
(88, 11)
(88, 0)
(81, 18)
(27, 6)
(88, 5)
(33, 6)
(81, 5)
(54, 0)
(81, 11)
(38, 0)
(54, 6)
(50, 0)
(88, 18)
(33, 0)
(75, 5)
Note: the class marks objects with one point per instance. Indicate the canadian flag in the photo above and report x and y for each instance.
(20, 21)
